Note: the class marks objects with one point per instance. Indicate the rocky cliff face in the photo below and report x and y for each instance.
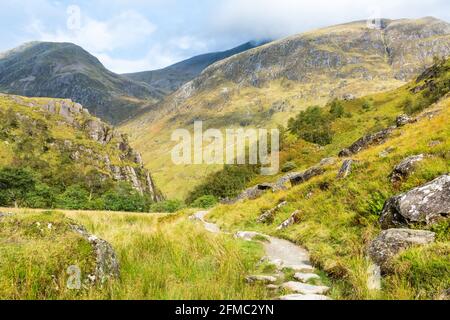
(96, 144)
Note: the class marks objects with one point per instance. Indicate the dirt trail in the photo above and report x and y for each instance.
(284, 255)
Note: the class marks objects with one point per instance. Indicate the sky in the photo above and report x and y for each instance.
(140, 35)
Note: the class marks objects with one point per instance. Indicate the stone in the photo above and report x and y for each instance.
(304, 297)
(348, 97)
(301, 268)
(268, 216)
(107, 265)
(261, 278)
(293, 219)
(345, 169)
(367, 141)
(247, 235)
(427, 204)
(327, 161)
(303, 288)
(393, 241)
(299, 178)
(305, 277)
(404, 169)
(403, 120)
(273, 287)
(386, 152)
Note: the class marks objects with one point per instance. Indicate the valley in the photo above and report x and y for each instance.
(92, 207)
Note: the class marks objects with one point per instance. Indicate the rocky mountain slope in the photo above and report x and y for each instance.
(173, 77)
(64, 70)
(267, 85)
(63, 147)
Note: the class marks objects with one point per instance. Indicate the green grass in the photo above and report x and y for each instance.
(161, 257)
(339, 218)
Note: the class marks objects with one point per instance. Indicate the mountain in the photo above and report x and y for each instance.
(173, 77)
(267, 85)
(64, 70)
(53, 153)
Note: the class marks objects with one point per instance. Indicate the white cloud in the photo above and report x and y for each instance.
(124, 30)
(269, 18)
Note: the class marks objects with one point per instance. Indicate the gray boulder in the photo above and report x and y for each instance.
(426, 204)
(391, 242)
(346, 169)
(107, 265)
(267, 217)
(403, 120)
(367, 141)
(404, 169)
(299, 178)
(293, 219)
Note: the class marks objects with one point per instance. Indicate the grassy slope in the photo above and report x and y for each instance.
(161, 257)
(222, 101)
(339, 217)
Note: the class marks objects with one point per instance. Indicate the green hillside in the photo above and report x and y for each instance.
(53, 153)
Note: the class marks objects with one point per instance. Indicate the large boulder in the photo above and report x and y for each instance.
(346, 169)
(427, 204)
(106, 262)
(391, 242)
(293, 219)
(367, 141)
(404, 169)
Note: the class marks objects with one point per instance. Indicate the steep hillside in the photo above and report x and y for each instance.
(267, 85)
(53, 153)
(64, 70)
(173, 77)
(339, 207)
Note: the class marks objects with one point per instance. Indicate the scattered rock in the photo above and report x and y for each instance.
(348, 97)
(434, 143)
(385, 153)
(299, 178)
(273, 287)
(107, 264)
(305, 277)
(328, 161)
(426, 204)
(367, 141)
(391, 242)
(262, 279)
(293, 219)
(345, 169)
(304, 297)
(403, 120)
(374, 277)
(247, 235)
(404, 169)
(268, 216)
(303, 288)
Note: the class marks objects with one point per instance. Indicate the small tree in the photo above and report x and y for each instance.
(15, 183)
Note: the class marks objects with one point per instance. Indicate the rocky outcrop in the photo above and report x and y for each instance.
(427, 204)
(346, 169)
(404, 169)
(403, 120)
(299, 178)
(391, 242)
(106, 262)
(293, 219)
(268, 216)
(367, 141)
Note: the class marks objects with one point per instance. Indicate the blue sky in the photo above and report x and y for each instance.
(137, 35)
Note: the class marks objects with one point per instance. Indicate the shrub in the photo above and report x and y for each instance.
(336, 109)
(313, 126)
(15, 183)
(124, 198)
(205, 202)
(169, 206)
(76, 197)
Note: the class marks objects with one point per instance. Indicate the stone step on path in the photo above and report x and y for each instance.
(284, 255)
